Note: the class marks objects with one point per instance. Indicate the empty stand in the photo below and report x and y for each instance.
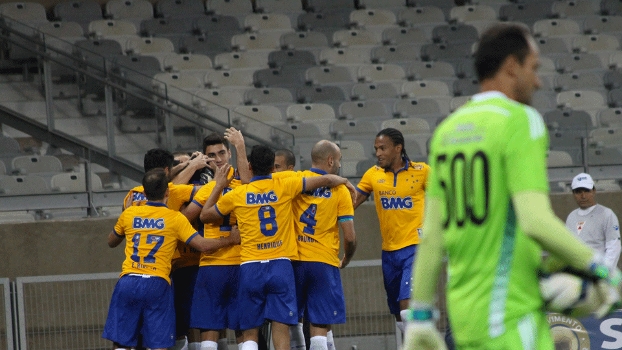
(291, 58)
(373, 91)
(241, 60)
(361, 110)
(82, 12)
(186, 62)
(345, 56)
(74, 182)
(180, 8)
(269, 96)
(331, 95)
(22, 185)
(33, 164)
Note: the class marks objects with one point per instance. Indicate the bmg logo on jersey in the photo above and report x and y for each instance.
(396, 202)
(261, 198)
(148, 223)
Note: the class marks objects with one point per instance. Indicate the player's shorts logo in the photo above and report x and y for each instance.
(568, 333)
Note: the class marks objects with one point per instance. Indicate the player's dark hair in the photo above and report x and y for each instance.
(262, 160)
(396, 137)
(496, 44)
(158, 158)
(214, 139)
(290, 158)
(155, 183)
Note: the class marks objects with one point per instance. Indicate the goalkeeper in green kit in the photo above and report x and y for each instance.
(488, 210)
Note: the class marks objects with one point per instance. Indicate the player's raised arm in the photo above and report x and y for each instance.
(328, 180)
(114, 239)
(235, 137)
(209, 213)
(211, 245)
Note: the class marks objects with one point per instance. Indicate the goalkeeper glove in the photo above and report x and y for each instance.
(609, 281)
(421, 332)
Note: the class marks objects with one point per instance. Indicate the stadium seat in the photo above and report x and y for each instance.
(353, 128)
(431, 70)
(285, 77)
(581, 99)
(361, 110)
(577, 81)
(232, 78)
(9, 146)
(419, 107)
(307, 131)
(268, 96)
(217, 98)
(466, 87)
(595, 43)
(345, 56)
(615, 97)
(79, 11)
(180, 8)
(241, 60)
(381, 73)
(355, 37)
(217, 24)
(74, 182)
(602, 24)
(229, 7)
(331, 95)
(569, 119)
(369, 18)
(33, 164)
(552, 46)
(472, 13)
(166, 27)
(181, 80)
(266, 41)
(329, 76)
(525, 12)
(145, 46)
(2, 168)
(455, 33)
(610, 117)
(351, 152)
(310, 112)
(458, 101)
(583, 62)
(558, 159)
(283, 58)
(21, 185)
(445, 52)
(399, 54)
(611, 7)
(373, 91)
(408, 126)
(606, 137)
(575, 8)
(324, 21)
(264, 114)
(544, 101)
(210, 45)
(268, 22)
(278, 6)
(604, 156)
(303, 40)
(429, 16)
(108, 28)
(401, 36)
(133, 10)
(612, 79)
(186, 62)
(29, 13)
(556, 27)
(425, 88)
(327, 5)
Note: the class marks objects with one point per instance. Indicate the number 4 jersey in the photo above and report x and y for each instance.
(480, 156)
(263, 209)
(151, 233)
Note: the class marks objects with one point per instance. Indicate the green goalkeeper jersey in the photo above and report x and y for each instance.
(481, 155)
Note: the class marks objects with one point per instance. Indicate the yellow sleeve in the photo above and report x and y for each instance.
(365, 186)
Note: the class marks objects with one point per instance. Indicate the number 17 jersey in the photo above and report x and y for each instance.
(480, 156)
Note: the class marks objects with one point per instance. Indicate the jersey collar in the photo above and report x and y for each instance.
(406, 165)
(486, 95)
(261, 177)
(156, 204)
(318, 171)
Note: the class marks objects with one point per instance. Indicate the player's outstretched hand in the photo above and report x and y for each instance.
(235, 235)
(423, 335)
(234, 136)
(608, 287)
(222, 176)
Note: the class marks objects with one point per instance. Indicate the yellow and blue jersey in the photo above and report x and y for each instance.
(224, 256)
(263, 209)
(316, 215)
(152, 232)
(399, 198)
(178, 195)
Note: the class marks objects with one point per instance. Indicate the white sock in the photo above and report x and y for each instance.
(208, 345)
(318, 343)
(400, 325)
(330, 342)
(223, 344)
(296, 337)
(180, 344)
(194, 346)
(250, 345)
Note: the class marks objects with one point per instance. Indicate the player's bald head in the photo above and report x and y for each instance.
(322, 150)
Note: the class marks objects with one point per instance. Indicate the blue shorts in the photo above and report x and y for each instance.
(267, 292)
(214, 306)
(319, 293)
(397, 268)
(183, 286)
(141, 306)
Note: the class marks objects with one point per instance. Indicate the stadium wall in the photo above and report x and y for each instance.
(75, 247)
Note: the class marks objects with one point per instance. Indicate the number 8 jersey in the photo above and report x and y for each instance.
(480, 156)
(263, 209)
